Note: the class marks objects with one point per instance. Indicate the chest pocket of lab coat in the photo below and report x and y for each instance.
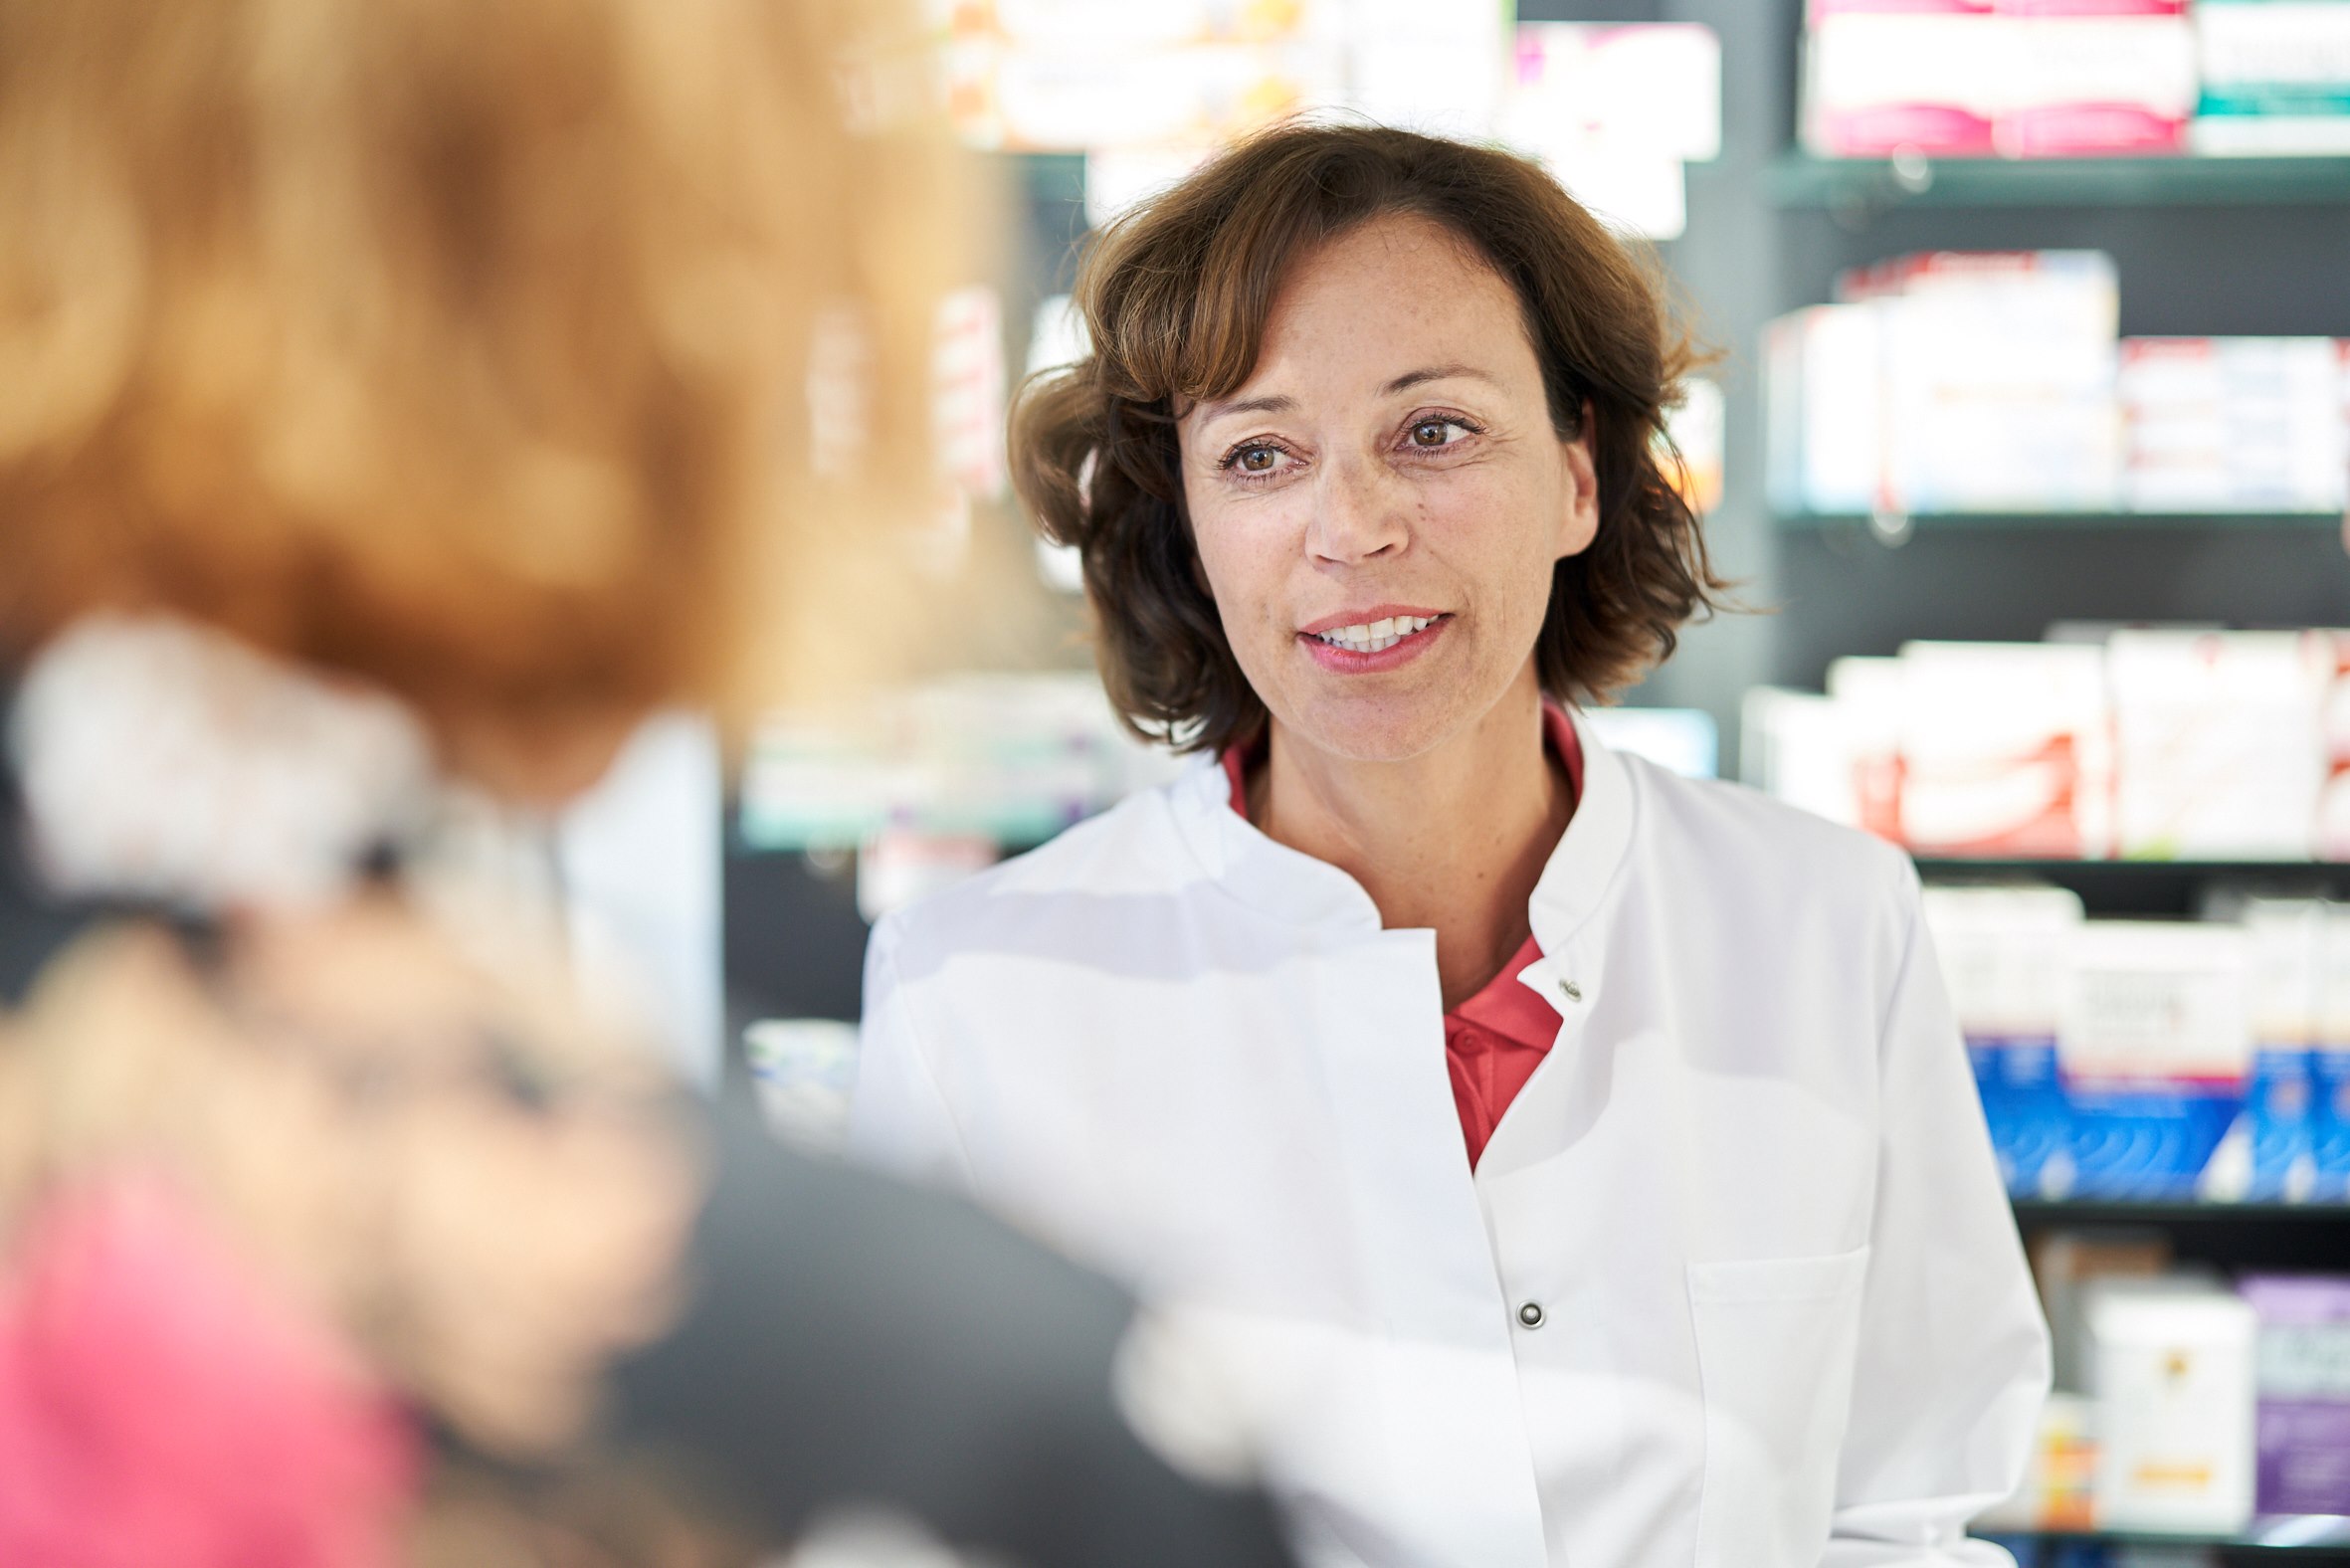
(1776, 1343)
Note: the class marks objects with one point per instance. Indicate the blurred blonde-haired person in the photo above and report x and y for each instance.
(393, 395)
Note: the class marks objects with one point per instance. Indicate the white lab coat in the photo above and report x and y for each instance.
(1784, 1319)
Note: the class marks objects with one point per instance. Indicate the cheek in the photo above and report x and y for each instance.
(1494, 533)
(1240, 553)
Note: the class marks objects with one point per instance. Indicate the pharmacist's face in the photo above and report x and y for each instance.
(1378, 509)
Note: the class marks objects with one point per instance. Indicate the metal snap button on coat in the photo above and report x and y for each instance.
(1574, 992)
(1531, 1315)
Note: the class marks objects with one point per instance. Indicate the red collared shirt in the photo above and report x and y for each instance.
(1496, 1039)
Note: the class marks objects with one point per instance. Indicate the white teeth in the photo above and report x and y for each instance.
(1370, 636)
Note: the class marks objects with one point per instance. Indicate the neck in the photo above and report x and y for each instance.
(1452, 840)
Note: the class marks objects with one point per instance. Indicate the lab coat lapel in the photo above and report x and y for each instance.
(1436, 1336)
(1573, 914)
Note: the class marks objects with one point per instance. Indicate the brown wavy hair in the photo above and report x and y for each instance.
(1175, 298)
(467, 348)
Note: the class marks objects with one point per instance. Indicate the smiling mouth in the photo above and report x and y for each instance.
(1371, 636)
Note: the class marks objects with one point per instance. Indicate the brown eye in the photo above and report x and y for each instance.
(1430, 433)
(1258, 459)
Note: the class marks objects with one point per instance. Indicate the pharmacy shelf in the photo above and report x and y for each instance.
(2061, 521)
(1798, 181)
(2317, 1534)
(2150, 889)
(2035, 1212)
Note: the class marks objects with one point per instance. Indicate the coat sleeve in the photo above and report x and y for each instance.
(899, 1122)
(1953, 1357)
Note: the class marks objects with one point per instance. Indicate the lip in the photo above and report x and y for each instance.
(1346, 662)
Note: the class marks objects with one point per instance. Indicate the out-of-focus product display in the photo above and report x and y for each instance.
(2154, 1060)
(2006, 954)
(804, 1070)
(2185, 1405)
(2153, 1048)
(2070, 79)
(1953, 381)
(2234, 424)
(1062, 75)
(2218, 752)
(2060, 1487)
(1996, 382)
(2329, 1065)
(1697, 427)
(1146, 93)
(2009, 78)
(1683, 739)
(2333, 811)
(2302, 1381)
(935, 782)
(1617, 111)
(2275, 77)
(1075, 76)
(2150, 745)
(2171, 1366)
(1009, 759)
(2005, 750)
(2286, 950)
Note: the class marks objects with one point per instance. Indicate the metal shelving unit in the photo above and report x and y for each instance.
(1799, 180)
(2314, 1538)
(2082, 521)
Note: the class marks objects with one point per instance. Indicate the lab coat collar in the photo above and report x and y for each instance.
(1298, 889)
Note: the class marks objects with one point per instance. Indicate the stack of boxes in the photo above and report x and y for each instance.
(2039, 79)
(1996, 382)
(2275, 77)
(2235, 423)
(2011, 77)
(1954, 381)
(2155, 1060)
(2150, 745)
(2186, 1407)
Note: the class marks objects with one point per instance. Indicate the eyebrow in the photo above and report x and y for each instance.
(1282, 404)
(1411, 379)
(1278, 404)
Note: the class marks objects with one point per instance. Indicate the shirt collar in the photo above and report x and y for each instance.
(1300, 889)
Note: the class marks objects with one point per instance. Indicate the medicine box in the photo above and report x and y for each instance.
(2154, 1048)
(2172, 1369)
(2304, 1383)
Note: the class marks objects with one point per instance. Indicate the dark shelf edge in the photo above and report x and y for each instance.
(2066, 1211)
(2067, 521)
(2331, 1534)
(1798, 181)
(1962, 865)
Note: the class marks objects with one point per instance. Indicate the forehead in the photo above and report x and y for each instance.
(1392, 290)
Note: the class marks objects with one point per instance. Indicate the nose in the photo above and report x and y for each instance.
(1357, 517)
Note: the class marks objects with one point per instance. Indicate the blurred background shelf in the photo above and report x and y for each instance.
(2150, 889)
(1796, 181)
(2323, 1536)
(2065, 521)
(2035, 1212)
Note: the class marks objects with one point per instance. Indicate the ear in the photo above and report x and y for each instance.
(1578, 520)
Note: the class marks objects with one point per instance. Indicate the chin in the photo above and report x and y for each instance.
(1377, 727)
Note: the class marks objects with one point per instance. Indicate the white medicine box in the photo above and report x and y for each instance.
(2172, 1367)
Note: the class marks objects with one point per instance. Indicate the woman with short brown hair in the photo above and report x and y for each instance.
(1565, 1162)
